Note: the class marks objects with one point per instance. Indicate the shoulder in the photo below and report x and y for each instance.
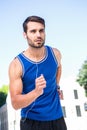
(14, 63)
(57, 53)
(15, 67)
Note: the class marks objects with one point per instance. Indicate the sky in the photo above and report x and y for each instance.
(66, 30)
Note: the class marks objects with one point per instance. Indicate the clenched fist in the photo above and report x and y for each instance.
(40, 84)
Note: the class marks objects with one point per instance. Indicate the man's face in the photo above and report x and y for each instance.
(35, 34)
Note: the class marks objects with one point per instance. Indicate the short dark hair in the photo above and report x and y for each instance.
(32, 19)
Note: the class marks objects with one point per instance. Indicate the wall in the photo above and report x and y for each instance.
(3, 118)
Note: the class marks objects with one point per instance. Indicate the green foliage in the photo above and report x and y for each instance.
(82, 76)
(4, 89)
(3, 94)
(2, 98)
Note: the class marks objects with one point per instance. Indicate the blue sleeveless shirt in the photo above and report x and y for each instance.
(47, 106)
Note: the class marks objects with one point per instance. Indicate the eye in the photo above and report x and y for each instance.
(41, 30)
(33, 31)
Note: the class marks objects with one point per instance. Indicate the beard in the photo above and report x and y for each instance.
(38, 45)
(34, 46)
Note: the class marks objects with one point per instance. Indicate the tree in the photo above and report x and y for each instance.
(3, 94)
(2, 98)
(82, 76)
(4, 89)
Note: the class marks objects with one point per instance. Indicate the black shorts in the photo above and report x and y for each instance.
(28, 124)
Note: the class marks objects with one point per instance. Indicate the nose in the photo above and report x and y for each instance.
(38, 34)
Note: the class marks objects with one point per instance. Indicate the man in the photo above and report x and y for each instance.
(34, 80)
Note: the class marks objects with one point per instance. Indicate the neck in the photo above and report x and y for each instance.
(36, 54)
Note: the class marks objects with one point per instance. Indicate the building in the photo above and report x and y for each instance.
(73, 104)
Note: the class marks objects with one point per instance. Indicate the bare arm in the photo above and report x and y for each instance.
(18, 99)
(58, 57)
(59, 71)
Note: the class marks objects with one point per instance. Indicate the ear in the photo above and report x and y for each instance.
(24, 34)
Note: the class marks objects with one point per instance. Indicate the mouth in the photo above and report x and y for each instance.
(39, 41)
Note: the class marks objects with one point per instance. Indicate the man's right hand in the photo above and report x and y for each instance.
(40, 84)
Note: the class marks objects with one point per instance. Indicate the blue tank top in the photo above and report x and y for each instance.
(47, 106)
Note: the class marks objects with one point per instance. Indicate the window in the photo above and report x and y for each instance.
(78, 111)
(85, 106)
(64, 111)
(75, 94)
